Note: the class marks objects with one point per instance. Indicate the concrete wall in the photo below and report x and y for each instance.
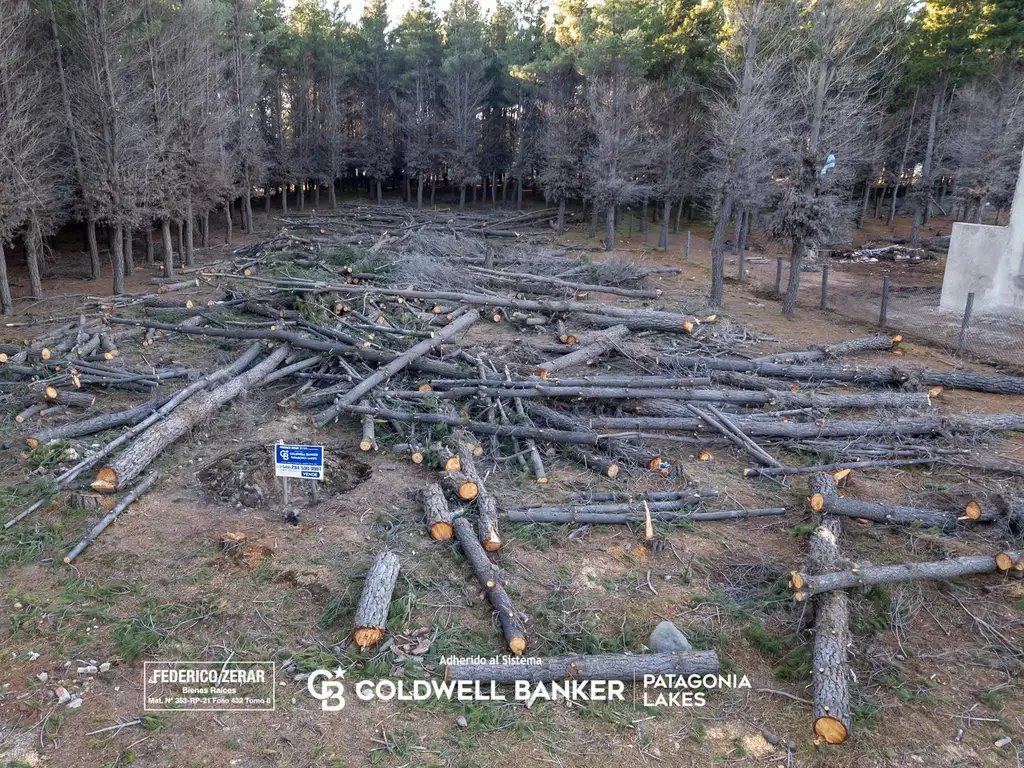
(988, 261)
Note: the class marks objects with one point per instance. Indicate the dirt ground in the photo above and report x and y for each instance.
(938, 665)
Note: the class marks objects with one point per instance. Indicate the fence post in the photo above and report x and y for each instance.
(686, 254)
(885, 301)
(778, 276)
(824, 286)
(967, 320)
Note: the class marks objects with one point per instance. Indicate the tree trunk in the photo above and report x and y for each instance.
(439, 516)
(117, 258)
(284, 198)
(717, 295)
(833, 351)
(903, 161)
(229, 223)
(472, 188)
(627, 667)
(419, 190)
(34, 255)
(486, 507)
(637, 514)
(519, 193)
(979, 212)
(609, 228)
(6, 302)
(893, 514)
(129, 252)
(301, 189)
(332, 195)
(494, 190)
(679, 215)
(878, 200)
(745, 221)
(206, 228)
(926, 166)
(371, 617)
(459, 485)
(96, 424)
(316, 194)
(560, 226)
(165, 228)
(95, 268)
(864, 204)
(380, 192)
(199, 409)
(793, 286)
(806, 585)
(462, 196)
(433, 188)
(666, 214)
(605, 342)
(150, 250)
(250, 227)
(593, 219)
(189, 234)
(489, 579)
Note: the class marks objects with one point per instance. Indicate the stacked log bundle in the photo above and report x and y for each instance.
(371, 617)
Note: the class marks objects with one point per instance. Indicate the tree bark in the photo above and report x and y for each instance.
(228, 222)
(880, 342)
(609, 228)
(487, 508)
(604, 343)
(805, 585)
(717, 295)
(129, 252)
(133, 460)
(143, 486)
(34, 255)
(117, 257)
(6, 302)
(189, 234)
(95, 424)
(95, 267)
(796, 260)
(439, 516)
(371, 617)
(487, 575)
(165, 228)
(626, 667)
(150, 250)
(926, 166)
(459, 485)
(399, 363)
(893, 514)
(560, 226)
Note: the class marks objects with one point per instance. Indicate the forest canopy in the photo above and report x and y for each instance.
(131, 117)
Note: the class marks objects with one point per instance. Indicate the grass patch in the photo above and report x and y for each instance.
(155, 625)
(791, 660)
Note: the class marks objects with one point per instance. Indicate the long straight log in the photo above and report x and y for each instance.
(518, 277)
(536, 462)
(898, 514)
(371, 617)
(805, 585)
(486, 574)
(590, 497)
(616, 447)
(977, 382)
(682, 501)
(96, 423)
(631, 382)
(920, 425)
(626, 667)
(400, 362)
(773, 471)
(143, 486)
(609, 518)
(832, 351)
(606, 342)
(830, 670)
(133, 460)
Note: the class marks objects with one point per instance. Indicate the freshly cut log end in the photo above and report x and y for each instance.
(106, 480)
(424, 388)
(452, 464)
(32, 443)
(705, 456)
(816, 501)
(416, 457)
(973, 511)
(460, 485)
(492, 542)
(831, 730)
(517, 645)
(51, 393)
(542, 372)
(842, 476)
(1010, 561)
(365, 445)
(654, 463)
(441, 531)
(367, 637)
(45, 353)
(796, 580)
(542, 480)
(896, 339)
(439, 516)
(935, 392)
(689, 326)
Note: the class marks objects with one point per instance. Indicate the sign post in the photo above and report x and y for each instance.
(305, 462)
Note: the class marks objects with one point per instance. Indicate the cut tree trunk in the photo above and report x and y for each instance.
(897, 514)
(439, 516)
(805, 585)
(830, 671)
(832, 351)
(574, 516)
(143, 486)
(371, 617)
(487, 575)
(626, 667)
(1010, 560)
(399, 363)
(459, 485)
(487, 508)
(368, 441)
(141, 453)
(608, 341)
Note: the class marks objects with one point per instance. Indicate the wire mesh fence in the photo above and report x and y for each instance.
(901, 298)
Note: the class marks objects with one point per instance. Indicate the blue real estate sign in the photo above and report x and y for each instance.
(302, 461)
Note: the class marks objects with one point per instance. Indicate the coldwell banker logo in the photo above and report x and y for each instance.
(326, 686)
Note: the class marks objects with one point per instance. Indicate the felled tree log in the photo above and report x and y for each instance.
(617, 448)
(441, 456)
(595, 461)
(840, 349)
(486, 506)
(96, 423)
(518, 277)
(134, 459)
(977, 382)
(439, 516)
(371, 617)
(536, 462)
(967, 423)
(631, 382)
(627, 667)
(70, 399)
(830, 670)
(590, 497)
(143, 486)
(606, 342)
(645, 320)
(804, 584)
(89, 501)
(1010, 560)
(897, 514)
(368, 442)
(575, 516)
(681, 501)
(400, 362)
(846, 465)
(486, 574)
(459, 485)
